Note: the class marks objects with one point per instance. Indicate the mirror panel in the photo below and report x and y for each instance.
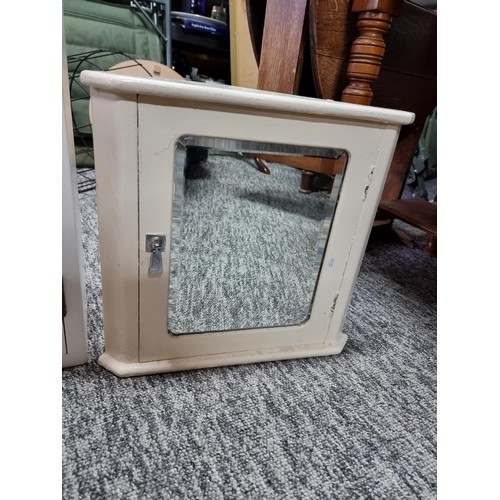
(246, 247)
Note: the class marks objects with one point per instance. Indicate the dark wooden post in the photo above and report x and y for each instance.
(368, 49)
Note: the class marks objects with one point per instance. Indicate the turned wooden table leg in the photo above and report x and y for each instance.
(368, 49)
(367, 52)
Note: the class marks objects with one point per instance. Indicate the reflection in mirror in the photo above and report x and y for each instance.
(246, 248)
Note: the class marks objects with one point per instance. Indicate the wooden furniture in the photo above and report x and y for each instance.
(417, 212)
(142, 127)
(281, 54)
(372, 52)
(244, 71)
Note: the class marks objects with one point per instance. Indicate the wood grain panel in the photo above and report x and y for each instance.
(414, 211)
(332, 29)
(282, 50)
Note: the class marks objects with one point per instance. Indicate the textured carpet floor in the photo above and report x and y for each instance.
(248, 250)
(360, 425)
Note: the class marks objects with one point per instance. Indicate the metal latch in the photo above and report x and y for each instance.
(155, 243)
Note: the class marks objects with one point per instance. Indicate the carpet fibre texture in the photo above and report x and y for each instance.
(360, 425)
(248, 249)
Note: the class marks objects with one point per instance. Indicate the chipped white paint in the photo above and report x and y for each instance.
(136, 122)
(368, 182)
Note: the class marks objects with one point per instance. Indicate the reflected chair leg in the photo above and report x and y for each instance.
(306, 181)
(261, 166)
(331, 180)
(431, 246)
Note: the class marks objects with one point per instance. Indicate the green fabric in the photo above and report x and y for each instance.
(425, 160)
(424, 164)
(84, 156)
(91, 26)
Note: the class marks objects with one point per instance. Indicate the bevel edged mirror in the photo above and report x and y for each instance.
(246, 245)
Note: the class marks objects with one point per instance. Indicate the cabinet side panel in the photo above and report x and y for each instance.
(114, 124)
(371, 198)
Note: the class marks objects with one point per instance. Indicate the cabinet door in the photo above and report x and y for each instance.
(168, 134)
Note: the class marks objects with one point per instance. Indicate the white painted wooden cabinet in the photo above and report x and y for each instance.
(144, 130)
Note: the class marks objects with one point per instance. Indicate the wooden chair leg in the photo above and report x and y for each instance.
(329, 187)
(306, 181)
(261, 166)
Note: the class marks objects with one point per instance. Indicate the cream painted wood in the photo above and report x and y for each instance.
(74, 323)
(114, 128)
(141, 67)
(136, 123)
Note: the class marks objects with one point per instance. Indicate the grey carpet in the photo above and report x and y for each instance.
(248, 249)
(360, 425)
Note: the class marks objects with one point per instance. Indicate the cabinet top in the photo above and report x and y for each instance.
(241, 97)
